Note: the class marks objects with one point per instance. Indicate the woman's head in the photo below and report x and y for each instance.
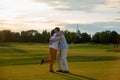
(52, 32)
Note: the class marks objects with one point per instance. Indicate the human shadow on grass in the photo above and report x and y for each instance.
(23, 58)
(21, 61)
(35, 59)
(113, 50)
(24, 52)
(73, 76)
(11, 49)
(91, 58)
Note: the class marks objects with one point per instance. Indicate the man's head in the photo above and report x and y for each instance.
(57, 29)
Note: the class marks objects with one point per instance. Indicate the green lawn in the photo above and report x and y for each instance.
(21, 61)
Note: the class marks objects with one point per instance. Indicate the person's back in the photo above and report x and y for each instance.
(63, 43)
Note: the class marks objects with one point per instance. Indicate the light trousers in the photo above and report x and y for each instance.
(62, 60)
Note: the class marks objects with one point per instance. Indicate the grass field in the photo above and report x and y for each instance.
(21, 61)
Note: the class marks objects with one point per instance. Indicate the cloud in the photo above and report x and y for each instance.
(82, 5)
(90, 28)
(95, 27)
(2, 21)
(87, 6)
(91, 15)
(117, 19)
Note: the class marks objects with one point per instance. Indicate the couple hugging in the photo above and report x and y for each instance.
(59, 44)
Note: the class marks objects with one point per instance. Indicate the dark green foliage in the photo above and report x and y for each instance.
(5, 36)
(103, 37)
(106, 37)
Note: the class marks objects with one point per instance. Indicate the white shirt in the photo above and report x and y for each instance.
(54, 45)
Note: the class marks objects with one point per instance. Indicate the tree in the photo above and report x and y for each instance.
(104, 37)
(24, 36)
(5, 36)
(78, 36)
(16, 37)
(45, 37)
(85, 38)
(71, 37)
(31, 35)
(38, 37)
(114, 36)
(96, 37)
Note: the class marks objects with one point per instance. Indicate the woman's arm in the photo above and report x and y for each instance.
(56, 37)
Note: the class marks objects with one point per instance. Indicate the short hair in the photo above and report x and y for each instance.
(57, 28)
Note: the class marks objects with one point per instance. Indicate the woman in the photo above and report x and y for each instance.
(53, 50)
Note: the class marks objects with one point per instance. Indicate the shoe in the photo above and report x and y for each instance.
(51, 71)
(66, 72)
(59, 71)
(42, 61)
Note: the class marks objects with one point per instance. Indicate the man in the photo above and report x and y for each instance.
(63, 51)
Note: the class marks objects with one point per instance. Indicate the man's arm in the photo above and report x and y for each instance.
(58, 36)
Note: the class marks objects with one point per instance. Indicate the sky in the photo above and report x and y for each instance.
(89, 16)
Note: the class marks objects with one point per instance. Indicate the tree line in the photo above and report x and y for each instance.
(103, 37)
